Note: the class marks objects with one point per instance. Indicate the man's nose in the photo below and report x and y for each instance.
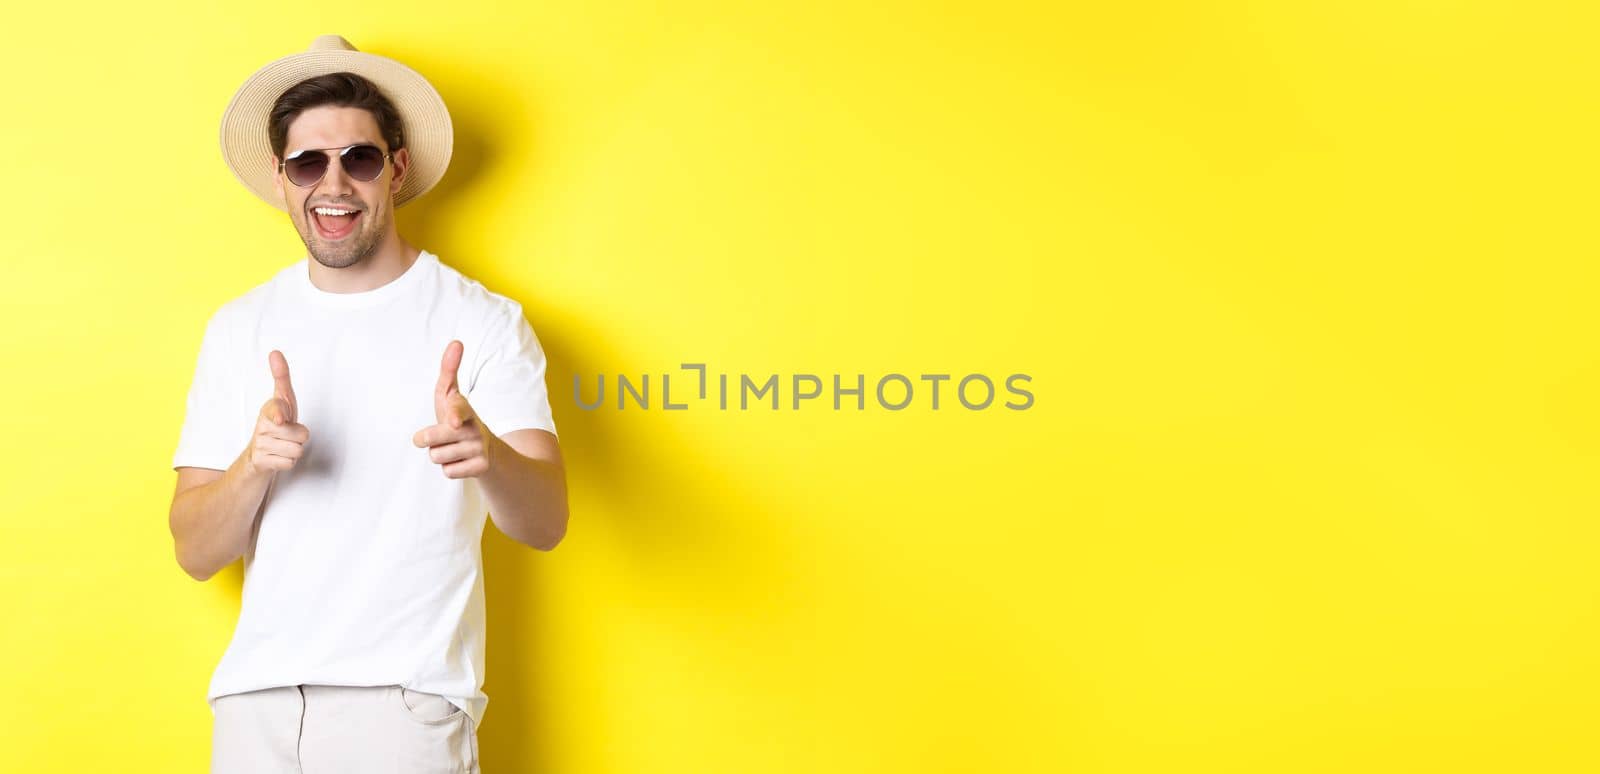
(335, 182)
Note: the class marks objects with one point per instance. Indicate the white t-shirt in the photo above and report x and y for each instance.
(366, 568)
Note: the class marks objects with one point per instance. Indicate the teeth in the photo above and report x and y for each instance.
(332, 211)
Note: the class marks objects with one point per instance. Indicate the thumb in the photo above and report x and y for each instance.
(282, 390)
(447, 385)
(277, 411)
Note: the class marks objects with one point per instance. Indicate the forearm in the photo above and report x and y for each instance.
(527, 497)
(211, 523)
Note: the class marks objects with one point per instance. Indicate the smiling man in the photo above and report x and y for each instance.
(352, 424)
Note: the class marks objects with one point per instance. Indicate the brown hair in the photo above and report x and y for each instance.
(339, 89)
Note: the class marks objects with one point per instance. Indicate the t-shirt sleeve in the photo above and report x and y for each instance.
(211, 435)
(508, 391)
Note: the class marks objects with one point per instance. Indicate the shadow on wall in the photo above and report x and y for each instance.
(686, 540)
(682, 535)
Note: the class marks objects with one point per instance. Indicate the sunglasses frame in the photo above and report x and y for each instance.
(283, 166)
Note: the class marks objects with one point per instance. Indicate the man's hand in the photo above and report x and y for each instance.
(279, 440)
(459, 442)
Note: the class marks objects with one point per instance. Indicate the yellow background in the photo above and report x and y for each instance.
(1307, 295)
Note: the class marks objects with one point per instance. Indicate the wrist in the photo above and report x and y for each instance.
(494, 452)
(248, 470)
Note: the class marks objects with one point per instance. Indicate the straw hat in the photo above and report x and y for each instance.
(423, 116)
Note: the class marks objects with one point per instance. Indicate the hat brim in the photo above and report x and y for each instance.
(427, 128)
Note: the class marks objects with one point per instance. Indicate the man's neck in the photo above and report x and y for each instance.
(392, 258)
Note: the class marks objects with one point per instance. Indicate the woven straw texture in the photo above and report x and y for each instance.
(425, 120)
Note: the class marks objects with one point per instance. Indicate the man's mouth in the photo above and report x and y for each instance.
(334, 223)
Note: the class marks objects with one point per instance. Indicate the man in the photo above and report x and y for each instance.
(402, 401)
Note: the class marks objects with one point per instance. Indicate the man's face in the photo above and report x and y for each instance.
(340, 241)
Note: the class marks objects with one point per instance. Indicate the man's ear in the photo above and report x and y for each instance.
(277, 183)
(402, 166)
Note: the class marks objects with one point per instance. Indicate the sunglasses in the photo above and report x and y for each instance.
(362, 161)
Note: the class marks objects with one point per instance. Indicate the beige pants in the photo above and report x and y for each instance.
(339, 729)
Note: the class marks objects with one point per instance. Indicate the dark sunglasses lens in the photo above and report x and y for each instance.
(363, 162)
(307, 168)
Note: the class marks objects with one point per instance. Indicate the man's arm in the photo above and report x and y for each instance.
(526, 487)
(213, 513)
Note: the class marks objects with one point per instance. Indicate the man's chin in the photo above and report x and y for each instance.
(336, 255)
(335, 259)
